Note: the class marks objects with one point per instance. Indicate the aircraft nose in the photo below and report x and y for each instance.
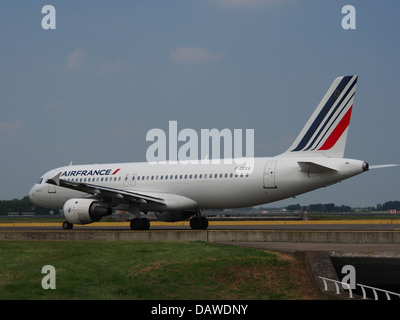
(32, 194)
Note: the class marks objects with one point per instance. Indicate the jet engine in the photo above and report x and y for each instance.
(83, 211)
(173, 216)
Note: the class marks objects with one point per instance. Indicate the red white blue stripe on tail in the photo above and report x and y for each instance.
(326, 131)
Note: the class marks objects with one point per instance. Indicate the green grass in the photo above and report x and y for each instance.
(134, 270)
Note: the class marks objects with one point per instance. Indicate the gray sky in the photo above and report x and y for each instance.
(90, 90)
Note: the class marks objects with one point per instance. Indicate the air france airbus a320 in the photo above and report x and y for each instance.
(176, 191)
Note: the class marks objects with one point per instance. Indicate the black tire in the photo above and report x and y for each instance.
(199, 223)
(195, 223)
(135, 224)
(145, 224)
(140, 224)
(204, 223)
(67, 226)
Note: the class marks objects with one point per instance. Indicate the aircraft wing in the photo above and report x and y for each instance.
(106, 192)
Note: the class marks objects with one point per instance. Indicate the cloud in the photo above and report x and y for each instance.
(249, 3)
(11, 127)
(193, 55)
(76, 60)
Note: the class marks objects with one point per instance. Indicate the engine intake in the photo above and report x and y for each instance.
(84, 211)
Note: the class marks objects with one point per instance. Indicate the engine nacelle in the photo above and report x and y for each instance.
(173, 216)
(83, 211)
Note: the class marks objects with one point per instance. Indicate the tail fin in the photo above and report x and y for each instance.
(325, 133)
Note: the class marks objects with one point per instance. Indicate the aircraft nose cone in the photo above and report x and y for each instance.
(32, 195)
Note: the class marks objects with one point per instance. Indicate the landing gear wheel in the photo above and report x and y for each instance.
(67, 225)
(140, 224)
(199, 223)
(145, 224)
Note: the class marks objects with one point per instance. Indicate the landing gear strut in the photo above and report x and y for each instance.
(140, 224)
(199, 222)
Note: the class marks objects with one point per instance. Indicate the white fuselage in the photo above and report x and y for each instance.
(199, 186)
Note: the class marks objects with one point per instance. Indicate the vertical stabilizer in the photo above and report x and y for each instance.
(325, 133)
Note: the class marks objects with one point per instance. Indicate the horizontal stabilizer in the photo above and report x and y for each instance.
(313, 167)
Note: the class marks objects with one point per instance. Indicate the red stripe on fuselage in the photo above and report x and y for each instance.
(115, 171)
(338, 131)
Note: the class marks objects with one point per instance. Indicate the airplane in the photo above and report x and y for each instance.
(177, 192)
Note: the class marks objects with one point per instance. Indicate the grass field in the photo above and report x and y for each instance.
(134, 270)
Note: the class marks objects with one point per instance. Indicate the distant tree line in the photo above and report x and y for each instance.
(331, 207)
(20, 205)
(390, 205)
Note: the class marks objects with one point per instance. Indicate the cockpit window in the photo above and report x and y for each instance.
(40, 181)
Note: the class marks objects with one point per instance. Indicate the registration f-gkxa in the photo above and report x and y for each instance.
(176, 191)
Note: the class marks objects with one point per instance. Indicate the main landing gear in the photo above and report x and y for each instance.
(199, 222)
(140, 224)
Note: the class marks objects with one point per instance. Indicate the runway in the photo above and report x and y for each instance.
(317, 225)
